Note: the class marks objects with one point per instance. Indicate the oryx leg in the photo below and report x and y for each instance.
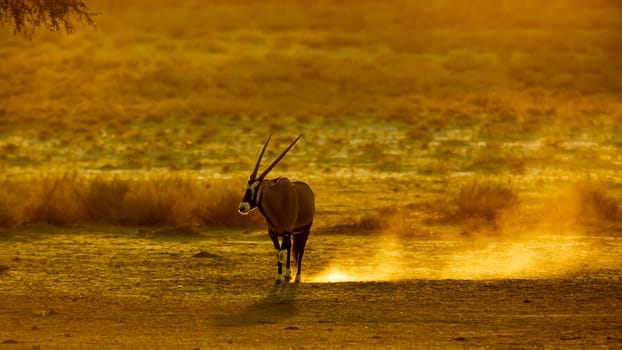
(299, 267)
(287, 246)
(300, 240)
(279, 257)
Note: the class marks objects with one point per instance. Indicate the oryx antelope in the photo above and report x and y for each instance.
(288, 208)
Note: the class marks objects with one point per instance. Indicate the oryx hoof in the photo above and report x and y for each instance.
(279, 278)
(298, 279)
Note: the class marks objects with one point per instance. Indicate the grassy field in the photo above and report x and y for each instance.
(406, 98)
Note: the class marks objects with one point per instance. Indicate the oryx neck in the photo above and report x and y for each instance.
(258, 202)
(258, 193)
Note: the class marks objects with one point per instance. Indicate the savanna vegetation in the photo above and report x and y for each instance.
(157, 200)
(425, 113)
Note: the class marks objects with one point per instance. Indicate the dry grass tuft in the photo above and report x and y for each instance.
(387, 220)
(587, 201)
(101, 198)
(151, 200)
(484, 199)
(52, 199)
(11, 210)
(374, 221)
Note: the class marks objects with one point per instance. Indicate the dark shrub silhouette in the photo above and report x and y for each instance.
(55, 15)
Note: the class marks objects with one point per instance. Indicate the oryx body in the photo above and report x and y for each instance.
(288, 208)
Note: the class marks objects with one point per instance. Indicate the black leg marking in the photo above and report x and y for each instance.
(300, 240)
(287, 244)
(275, 240)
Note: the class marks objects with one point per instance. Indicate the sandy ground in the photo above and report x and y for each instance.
(80, 289)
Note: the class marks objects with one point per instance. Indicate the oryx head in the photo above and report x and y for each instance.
(249, 202)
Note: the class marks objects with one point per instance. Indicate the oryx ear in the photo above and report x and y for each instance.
(276, 161)
(263, 149)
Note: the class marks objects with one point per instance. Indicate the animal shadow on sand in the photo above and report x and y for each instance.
(278, 305)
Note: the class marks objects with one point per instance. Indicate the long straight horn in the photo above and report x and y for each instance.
(263, 149)
(276, 161)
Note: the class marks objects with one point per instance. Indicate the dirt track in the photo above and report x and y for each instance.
(84, 290)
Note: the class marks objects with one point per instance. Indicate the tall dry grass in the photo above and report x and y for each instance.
(482, 201)
(482, 204)
(585, 202)
(148, 200)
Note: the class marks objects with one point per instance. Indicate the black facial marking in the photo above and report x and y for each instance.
(250, 196)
